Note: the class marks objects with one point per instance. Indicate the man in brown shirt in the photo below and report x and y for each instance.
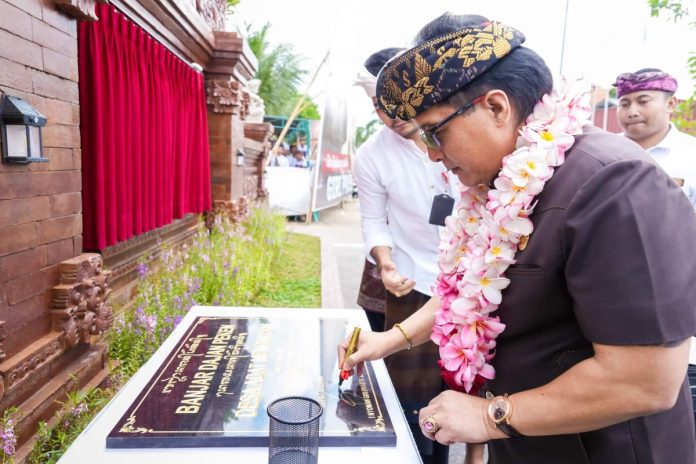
(591, 366)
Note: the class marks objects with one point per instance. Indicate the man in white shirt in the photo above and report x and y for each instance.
(646, 103)
(397, 183)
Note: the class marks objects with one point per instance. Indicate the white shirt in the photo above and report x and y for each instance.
(676, 154)
(280, 160)
(396, 185)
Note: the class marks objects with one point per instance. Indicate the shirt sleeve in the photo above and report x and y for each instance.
(372, 196)
(689, 189)
(628, 241)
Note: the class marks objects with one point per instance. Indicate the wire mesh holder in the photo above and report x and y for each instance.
(293, 430)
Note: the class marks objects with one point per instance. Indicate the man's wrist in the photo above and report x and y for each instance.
(499, 413)
(493, 432)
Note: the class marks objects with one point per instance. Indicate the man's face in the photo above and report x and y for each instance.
(405, 129)
(645, 113)
(473, 144)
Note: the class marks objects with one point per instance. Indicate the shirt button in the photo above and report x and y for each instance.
(432, 187)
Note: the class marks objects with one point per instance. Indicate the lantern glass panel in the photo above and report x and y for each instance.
(35, 141)
(16, 141)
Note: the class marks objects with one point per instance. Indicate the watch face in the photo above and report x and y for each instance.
(499, 409)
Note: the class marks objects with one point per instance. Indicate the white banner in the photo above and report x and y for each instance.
(289, 189)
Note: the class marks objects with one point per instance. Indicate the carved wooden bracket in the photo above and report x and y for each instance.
(245, 101)
(21, 366)
(223, 95)
(82, 10)
(79, 306)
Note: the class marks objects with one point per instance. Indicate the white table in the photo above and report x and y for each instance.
(90, 446)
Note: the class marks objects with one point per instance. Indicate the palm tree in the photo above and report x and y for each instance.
(280, 71)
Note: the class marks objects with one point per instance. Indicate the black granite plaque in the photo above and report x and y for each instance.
(213, 388)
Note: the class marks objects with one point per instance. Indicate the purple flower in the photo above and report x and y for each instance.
(150, 323)
(79, 409)
(142, 270)
(9, 439)
(177, 320)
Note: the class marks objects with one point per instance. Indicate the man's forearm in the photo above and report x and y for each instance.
(381, 254)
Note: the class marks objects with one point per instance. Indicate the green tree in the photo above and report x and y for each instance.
(364, 132)
(280, 71)
(676, 11)
(310, 110)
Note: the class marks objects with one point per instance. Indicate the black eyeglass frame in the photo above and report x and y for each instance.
(429, 136)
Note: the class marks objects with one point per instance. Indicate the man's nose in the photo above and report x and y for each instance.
(434, 154)
(633, 111)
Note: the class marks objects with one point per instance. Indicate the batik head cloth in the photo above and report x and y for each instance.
(426, 75)
(650, 80)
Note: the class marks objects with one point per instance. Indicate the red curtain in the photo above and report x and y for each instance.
(144, 128)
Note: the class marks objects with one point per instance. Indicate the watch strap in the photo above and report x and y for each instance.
(509, 430)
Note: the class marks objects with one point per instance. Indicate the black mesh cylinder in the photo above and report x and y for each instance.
(293, 430)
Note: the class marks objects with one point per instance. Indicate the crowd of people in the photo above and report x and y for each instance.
(559, 291)
(292, 155)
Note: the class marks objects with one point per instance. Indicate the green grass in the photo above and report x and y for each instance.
(296, 276)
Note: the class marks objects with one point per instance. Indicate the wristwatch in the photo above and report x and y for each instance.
(500, 411)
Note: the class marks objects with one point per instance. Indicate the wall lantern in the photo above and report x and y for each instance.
(20, 125)
(240, 158)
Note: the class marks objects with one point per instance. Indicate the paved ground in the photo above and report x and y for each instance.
(342, 262)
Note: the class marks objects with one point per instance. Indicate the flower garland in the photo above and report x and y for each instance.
(490, 225)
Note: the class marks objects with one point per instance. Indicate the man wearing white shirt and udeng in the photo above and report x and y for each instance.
(646, 103)
(397, 184)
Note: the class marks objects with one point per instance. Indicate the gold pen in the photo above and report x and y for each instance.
(343, 375)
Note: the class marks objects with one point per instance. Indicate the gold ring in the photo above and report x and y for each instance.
(430, 425)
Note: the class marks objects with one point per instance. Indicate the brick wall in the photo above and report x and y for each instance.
(40, 203)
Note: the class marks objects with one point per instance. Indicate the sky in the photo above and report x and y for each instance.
(603, 38)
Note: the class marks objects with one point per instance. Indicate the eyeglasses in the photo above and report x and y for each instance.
(429, 136)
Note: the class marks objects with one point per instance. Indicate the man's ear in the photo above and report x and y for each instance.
(671, 104)
(498, 103)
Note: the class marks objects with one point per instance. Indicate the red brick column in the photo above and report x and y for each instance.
(231, 66)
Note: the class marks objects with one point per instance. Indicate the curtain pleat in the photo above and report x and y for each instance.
(144, 130)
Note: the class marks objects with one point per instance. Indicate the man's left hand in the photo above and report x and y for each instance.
(459, 418)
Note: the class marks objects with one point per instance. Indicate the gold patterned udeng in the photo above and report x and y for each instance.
(429, 73)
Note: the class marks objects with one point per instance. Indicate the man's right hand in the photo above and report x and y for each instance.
(393, 281)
